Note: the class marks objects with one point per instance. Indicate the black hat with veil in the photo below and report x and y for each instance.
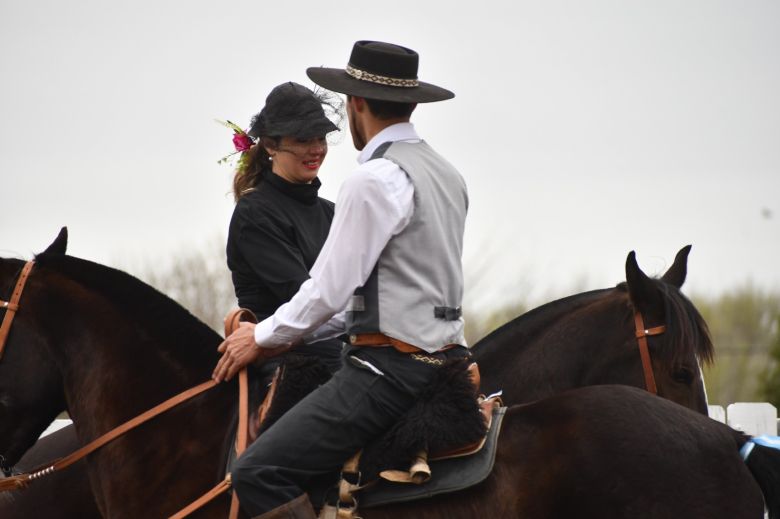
(292, 110)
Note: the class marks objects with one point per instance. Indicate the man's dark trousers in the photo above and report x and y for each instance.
(330, 425)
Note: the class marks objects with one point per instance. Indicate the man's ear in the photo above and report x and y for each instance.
(358, 103)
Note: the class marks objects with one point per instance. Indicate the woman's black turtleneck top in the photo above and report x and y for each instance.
(276, 233)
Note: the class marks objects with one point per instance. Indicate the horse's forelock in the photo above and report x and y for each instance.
(689, 334)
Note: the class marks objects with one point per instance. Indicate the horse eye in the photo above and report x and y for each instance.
(683, 376)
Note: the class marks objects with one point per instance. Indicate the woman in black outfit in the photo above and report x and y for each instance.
(280, 223)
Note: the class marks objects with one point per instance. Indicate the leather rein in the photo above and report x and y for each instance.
(231, 323)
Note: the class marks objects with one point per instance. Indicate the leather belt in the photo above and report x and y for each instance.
(380, 340)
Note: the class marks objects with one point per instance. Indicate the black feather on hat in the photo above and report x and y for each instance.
(292, 110)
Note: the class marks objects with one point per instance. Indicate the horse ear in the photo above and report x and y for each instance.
(642, 290)
(676, 274)
(60, 243)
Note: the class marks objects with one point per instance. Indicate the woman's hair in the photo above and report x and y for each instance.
(253, 162)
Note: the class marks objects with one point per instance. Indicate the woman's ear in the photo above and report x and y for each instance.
(269, 145)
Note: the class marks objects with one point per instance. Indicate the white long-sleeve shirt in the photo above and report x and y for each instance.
(374, 204)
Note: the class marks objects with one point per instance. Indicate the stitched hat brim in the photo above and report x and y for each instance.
(339, 81)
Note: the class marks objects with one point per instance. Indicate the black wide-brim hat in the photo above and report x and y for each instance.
(381, 71)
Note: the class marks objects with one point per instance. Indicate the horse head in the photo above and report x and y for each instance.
(31, 393)
(679, 351)
(590, 338)
(85, 334)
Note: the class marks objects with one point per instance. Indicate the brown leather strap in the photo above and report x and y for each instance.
(203, 500)
(381, 340)
(644, 352)
(241, 442)
(265, 406)
(232, 321)
(12, 305)
(23, 479)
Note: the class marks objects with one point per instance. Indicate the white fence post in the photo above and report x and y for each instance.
(754, 418)
(716, 412)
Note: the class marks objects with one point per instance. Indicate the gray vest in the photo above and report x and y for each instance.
(415, 290)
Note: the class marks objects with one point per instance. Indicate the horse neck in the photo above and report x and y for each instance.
(113, 369)
(113, 365)
(553, 348)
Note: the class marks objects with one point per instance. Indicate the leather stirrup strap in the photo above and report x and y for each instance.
(644, 352)
(12, 305)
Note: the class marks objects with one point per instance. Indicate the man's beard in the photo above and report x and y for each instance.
(358, 136)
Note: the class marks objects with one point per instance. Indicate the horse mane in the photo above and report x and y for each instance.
(687, 330)
(539, 318)
(141, 303)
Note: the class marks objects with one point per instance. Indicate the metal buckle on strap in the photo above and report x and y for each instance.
(447, 313)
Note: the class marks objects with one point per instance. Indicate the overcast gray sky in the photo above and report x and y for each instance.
(584, 129)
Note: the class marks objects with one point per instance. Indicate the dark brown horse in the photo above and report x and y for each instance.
(66, 342)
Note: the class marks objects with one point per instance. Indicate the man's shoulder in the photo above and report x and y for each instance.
(373, 174)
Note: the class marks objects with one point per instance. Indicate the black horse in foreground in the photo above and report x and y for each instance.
(109, 347)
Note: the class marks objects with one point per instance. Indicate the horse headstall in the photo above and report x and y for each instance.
(12, 305)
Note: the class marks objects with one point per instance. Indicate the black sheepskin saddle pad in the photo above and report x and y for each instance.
(446, 416)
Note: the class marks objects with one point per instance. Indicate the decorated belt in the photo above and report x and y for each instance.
(380, 340)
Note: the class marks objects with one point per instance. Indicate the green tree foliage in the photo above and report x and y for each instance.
(478, 325)
(743, 325)
(771, 376)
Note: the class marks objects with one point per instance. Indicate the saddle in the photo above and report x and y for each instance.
(446, 442)
(423, 456)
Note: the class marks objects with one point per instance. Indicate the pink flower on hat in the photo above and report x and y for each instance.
(242, 141)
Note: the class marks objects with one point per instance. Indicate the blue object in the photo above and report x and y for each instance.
(773, 442)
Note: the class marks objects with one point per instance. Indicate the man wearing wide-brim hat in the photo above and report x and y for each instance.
(389, 275)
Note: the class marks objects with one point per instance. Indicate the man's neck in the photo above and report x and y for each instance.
(373, 125)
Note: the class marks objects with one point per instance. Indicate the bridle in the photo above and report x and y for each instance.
(10, 308)
(12, 305)
(642, 334)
